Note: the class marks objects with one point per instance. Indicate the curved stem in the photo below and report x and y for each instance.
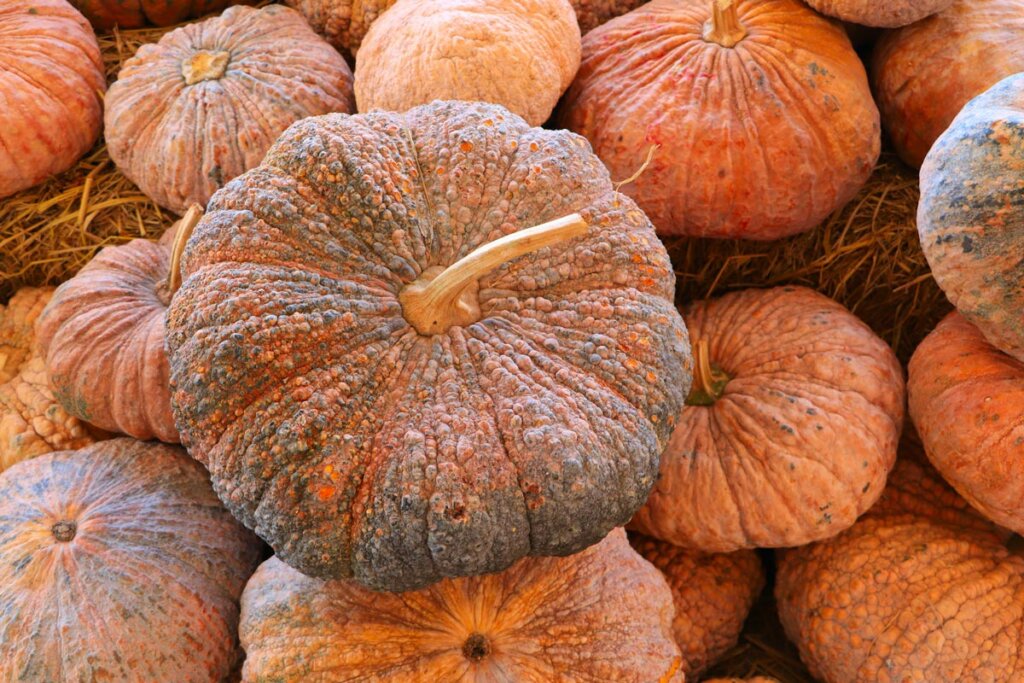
(725, 27)
(433, 305)
(708, 381)
(185, 227)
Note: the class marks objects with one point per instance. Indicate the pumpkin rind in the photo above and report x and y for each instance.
(17, 328)
(103, 337)
(521, 55)
(600, 615)
(925, 73)
(888, 14)
(117, 562)
(105, 14)
(712, 593)
(971, 215)
(51, 82)
(923, 594)
(800, 441)
(776, 132)
(179, 142)
(967, 401)
(356, 446)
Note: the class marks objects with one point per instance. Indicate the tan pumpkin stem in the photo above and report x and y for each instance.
(437, 301)
(724, 27)
(708, 381)
(185, 227)
(205, 65)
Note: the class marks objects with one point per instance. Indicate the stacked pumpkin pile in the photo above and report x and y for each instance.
(430, 353)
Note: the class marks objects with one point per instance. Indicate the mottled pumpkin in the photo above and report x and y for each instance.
(790, 428)
(32, 422)
(760, 111)
(51, 84)
(887, 14)
(105, 14)
(712, 593)
(103, 333)
(117, 563)
(926, 72)
(17, 328)
(521, 55)
(971, 215)
(202, 105)
(967, 401)
(361, 440)
(920, 589)
(600, 615)
(755, 679)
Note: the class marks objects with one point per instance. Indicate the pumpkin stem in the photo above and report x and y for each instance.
(64, 530)
(205, 65)
(708, 380)
(442, 298)
(185, 228)
(724, 27)
(476, 647)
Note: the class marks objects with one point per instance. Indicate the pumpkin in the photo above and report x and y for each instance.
(926, 72)
(889, 14)
(106, 14)
(712, 594)
(391, 375)
(51, 80)
(967, 401)
(600, 615)
(969, 217)
(789, 430)
(593, 13)
(17, 325)
(765, 101)
(920, 589)
(755, 679)
(520, 54)
(118, 563)
(103, 338)
(202, 105)
(32, 422)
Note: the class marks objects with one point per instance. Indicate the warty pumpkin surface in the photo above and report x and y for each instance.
(118, 563)
(925, 73)
(920, 589)
(971, 215)
(358, 446)
(17, 328)
(51, 84)
(603, 614)
(106, 14)
(967, 402)
(103, 336)
(712, 593)
(760, 110)
(888, 14)
(789, 430)
(203, 104)
(521, 54)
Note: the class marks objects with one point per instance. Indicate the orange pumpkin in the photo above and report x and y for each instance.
(603, 614)
(760, 111)
(51, 84)
(105, 14)
(789, 430)
(967, 402)
(17, 328)
(926, 72)
(885, 14)
(117, 563)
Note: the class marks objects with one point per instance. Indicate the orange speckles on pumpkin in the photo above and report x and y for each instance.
(326, 492)
(466, 146)
(651, 377)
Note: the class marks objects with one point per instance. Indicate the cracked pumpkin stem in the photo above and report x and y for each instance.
(188, 224)
(724, 27)
(435, 301)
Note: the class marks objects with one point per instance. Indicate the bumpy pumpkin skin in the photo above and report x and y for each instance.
(521, 55)
(600, 615)
(51, 80)
(776, 132)
(17, 328)
(118, 563)
(356, 446)
(971, 214)
(103, 336)
(178, 141)
(927, 593)
(967, 401)
(926, 72)
(800, 441)
(712, 593)
(32, 422)
(105, 14)
(888, 14)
